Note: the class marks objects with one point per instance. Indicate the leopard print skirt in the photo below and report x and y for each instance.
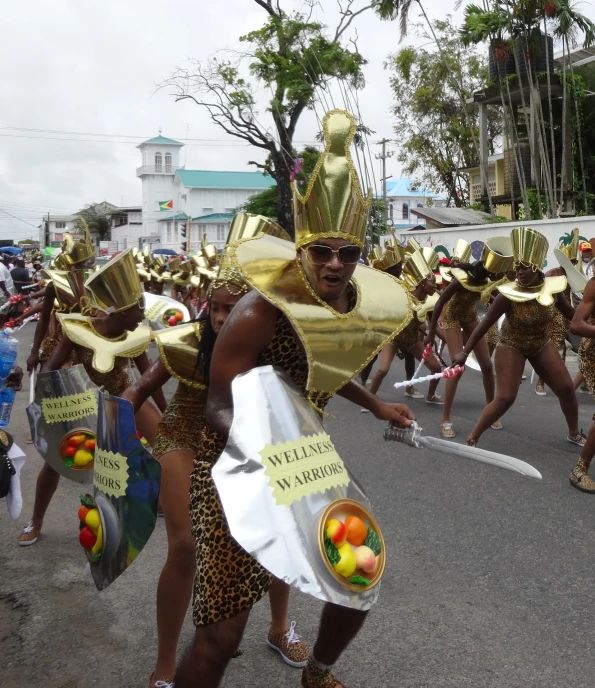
(228, 579)
(180, 426)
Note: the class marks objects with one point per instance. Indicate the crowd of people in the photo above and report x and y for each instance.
(268, 300)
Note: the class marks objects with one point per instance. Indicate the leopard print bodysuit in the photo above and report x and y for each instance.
(461, 309)
(525, 327)
(586, 357)
(229, 580)
(114, 382)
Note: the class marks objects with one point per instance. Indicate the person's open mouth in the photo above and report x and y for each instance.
(332, 280)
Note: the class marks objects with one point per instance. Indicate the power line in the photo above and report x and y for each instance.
(18, 218)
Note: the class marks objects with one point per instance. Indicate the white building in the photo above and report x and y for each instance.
(204, 200)
(402, 195)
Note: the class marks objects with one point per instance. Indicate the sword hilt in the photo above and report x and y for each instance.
(405, 435)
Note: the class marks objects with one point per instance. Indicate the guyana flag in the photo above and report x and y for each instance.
(166, 205)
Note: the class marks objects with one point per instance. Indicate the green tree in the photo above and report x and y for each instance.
(97, 222)
(433, 125)
(290, 57)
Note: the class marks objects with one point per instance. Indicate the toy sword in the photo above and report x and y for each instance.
(412, 436)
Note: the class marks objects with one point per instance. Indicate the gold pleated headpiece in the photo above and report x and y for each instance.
(59, 263)
(415, 270)
(333, 205)
(411, 246)
(244, 226)
(462, 251)
(209, 251)
(116, 286)
(387, 257)
(529, 247)
(571, 249)
(431, 257)
(497, 255)
(74, 252)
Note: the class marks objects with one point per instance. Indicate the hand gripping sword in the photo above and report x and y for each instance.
(412, 436)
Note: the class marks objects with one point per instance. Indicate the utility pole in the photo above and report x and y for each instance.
(383, 156)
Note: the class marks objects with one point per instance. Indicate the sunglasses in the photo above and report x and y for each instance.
(320, 255)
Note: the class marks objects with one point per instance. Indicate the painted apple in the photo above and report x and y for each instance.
(335, 530)
(365, 559)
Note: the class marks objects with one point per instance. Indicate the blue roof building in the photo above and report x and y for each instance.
(402, 195)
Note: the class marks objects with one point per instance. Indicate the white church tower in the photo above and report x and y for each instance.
(160, 161)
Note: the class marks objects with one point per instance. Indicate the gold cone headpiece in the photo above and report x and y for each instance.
(571, 249)
(244, 226)
(431, 257)
(59, 263)
(462, 251)
(116, 286)
(415, 270)
(529, 247)
(387, 257)
(497, 255)
(412, 246)
(74, 252)
(333, 204)
(209, 251)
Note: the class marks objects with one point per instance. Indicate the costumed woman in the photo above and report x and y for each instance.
(104, 346)
(185, 353)
(419, 278)
(583, 324)
(529, 304)
(458, 307)
(306, 288)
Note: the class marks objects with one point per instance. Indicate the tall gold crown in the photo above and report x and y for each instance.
(208, 250)
(431, 257)
(497, 255)
(116, 286)
(387, 257)
(74, 252)
(529, 247)
(333, 204)
(462, 251)
(244, 226)
(415, 270)
(571, 249)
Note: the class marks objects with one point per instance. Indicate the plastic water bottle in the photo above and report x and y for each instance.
(7, 395)
(9, 350)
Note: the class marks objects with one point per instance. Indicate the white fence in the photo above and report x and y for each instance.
(443, 240)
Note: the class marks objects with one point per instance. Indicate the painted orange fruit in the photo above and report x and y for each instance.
(357, 531)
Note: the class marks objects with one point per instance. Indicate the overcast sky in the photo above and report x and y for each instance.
(91, 68)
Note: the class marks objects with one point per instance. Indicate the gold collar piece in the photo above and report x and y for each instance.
(543, 294)
(178, 348)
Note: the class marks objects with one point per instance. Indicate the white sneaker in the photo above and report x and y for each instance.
(540, 391)
(364, 410)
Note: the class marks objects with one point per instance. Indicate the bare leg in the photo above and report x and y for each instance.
(431, 363)
(549, 365)
(578, 380)
(387, 356)
(175, 583)
(509, 368)
(365, 374)
(482, 353)
(338, 626)
(409, 365)
(47, 483)
(279, 601)
(147, 419)
(454, 341)
(214, 645)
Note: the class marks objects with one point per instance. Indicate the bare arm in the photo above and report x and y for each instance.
(59, 356)
(399, 414)
(153, 378)
(445, 297)
(564, 307)
(580, 324)
(249, 329)
(500, 306)
(144, 366)
(42, 327)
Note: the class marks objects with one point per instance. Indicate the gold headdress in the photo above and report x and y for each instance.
(415, 270)
(333, 204)
(431, 257)
(391, 255)
(74, 252)
(497, 255)
(116, 286)
(244, 226)
(59, 263)
(209, 251)
(462, 251)
(411, 246)
(571, 249)
(529, 247)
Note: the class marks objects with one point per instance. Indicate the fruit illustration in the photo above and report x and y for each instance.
(82, 457)
(76, 439)
(179, 316)
(83, 511)
(346, 564)
(87, 537)
(90, 444)
(91, 532)
(70, 450)
(335, 530)
(93, 520)
(357, 530)
(365, 559)
(172, 321)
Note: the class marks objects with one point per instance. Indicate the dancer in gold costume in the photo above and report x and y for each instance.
(104, 346)
(306, 300)
(529, 305)
(458, 307)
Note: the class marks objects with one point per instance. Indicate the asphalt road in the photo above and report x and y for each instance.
(488, 582)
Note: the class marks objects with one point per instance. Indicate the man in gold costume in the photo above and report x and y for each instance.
(318, 316)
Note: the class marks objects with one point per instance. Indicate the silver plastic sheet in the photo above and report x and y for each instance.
(155, 307)
(268, 410)
(65, 400)
(126, 489)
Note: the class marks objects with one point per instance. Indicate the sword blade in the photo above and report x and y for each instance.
(481, 455)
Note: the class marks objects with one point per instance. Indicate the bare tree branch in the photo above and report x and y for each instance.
(268, 6)
(347, 16)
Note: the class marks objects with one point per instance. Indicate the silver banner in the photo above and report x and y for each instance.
(160, 309)
(281, 481)
(126, 490)
(63, 418)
